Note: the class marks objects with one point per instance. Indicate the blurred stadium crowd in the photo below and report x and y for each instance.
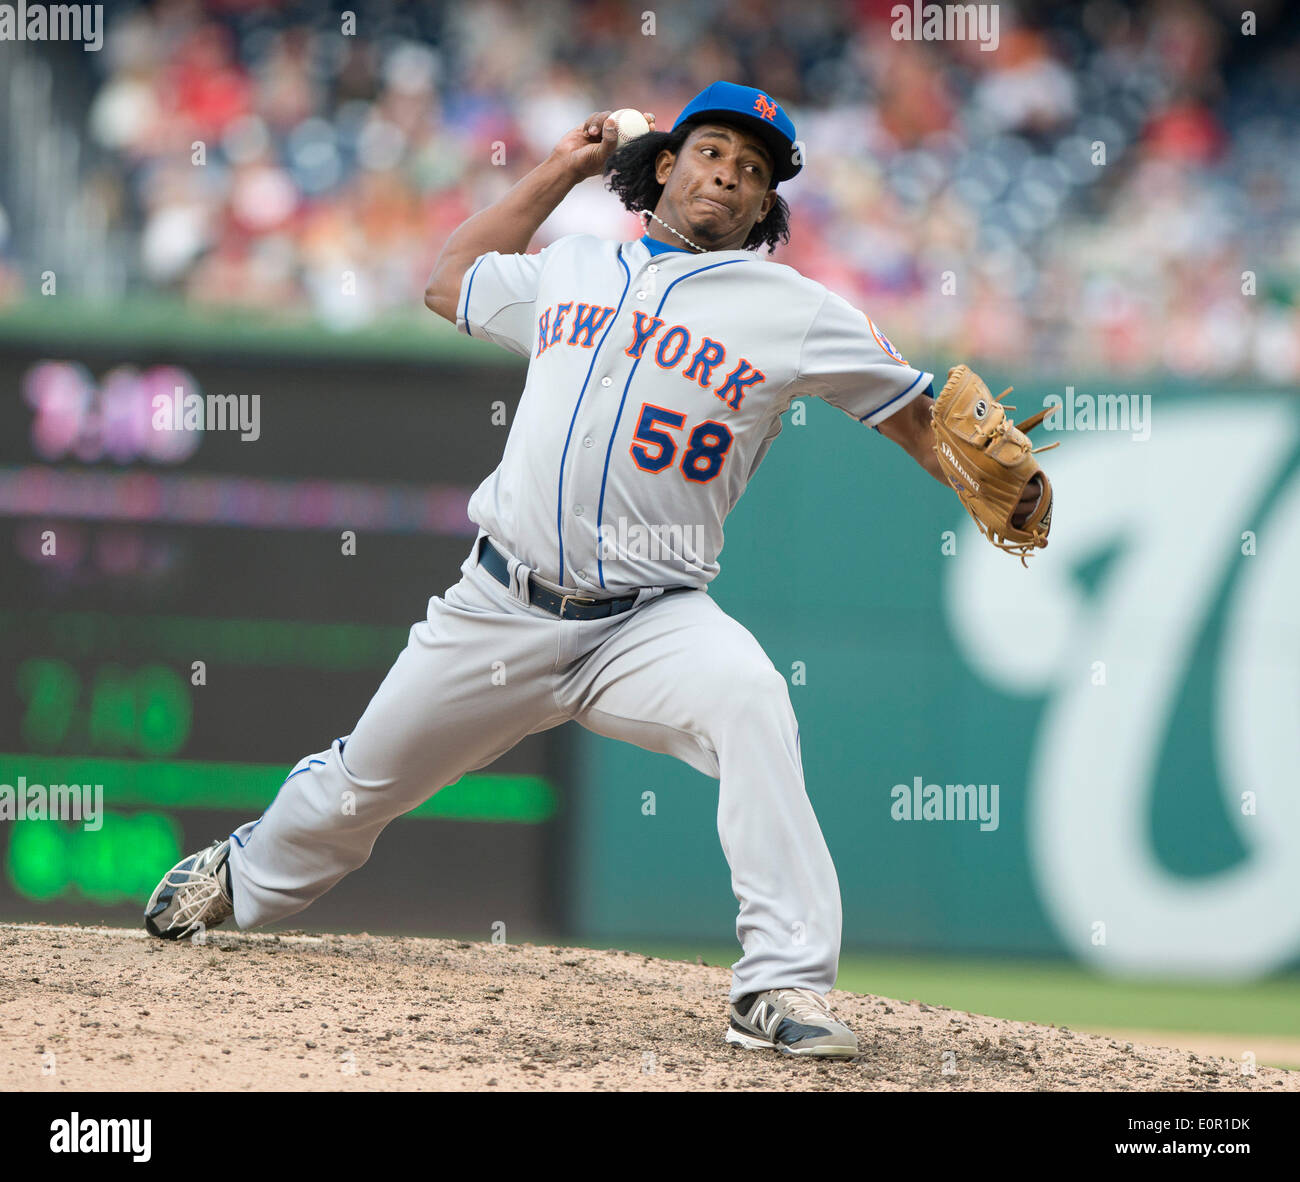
(328, 154)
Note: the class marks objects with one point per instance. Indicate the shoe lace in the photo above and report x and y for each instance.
(805, 1003)
(196, 894)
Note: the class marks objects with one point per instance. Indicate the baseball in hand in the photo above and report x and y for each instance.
(631, 124)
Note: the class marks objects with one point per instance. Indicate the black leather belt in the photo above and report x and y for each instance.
(567, 607)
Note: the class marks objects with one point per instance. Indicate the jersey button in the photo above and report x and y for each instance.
(652, 268)
(582, 574)
(606, 381)
(640, 295)
(577, 510)
(588, 442)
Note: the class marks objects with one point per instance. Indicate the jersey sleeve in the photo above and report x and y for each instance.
(847, 361)
(497, 297)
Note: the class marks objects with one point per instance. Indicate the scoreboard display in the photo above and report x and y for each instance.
(209, 565)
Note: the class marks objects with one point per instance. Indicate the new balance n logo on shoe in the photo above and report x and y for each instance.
(765, 1017)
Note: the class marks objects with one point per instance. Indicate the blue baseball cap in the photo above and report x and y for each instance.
(752, 109)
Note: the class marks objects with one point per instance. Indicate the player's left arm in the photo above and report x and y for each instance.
(846, 360)
(910, 428)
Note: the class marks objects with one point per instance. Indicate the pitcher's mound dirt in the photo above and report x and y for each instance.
(97, 1008)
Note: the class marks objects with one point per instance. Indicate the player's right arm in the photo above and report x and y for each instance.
(508, 225)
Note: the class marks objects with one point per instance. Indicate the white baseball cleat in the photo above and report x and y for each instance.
(194, 894)
(793, 1021)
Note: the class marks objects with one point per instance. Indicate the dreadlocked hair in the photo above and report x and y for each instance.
(630, 174)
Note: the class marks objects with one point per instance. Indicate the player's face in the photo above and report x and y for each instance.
(717, 186)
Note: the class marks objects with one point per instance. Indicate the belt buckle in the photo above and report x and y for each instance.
(583, 599)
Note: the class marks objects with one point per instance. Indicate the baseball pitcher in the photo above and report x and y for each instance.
(658, 371)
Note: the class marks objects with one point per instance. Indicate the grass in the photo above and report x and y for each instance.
(1054, 993)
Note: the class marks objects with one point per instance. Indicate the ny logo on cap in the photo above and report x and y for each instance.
(765, 107)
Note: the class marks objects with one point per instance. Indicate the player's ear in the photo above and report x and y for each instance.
(769, 200)
(664, 165)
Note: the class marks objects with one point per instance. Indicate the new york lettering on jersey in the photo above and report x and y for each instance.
(704, 356)
(655, 387)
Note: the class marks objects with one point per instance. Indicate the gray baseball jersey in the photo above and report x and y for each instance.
(655, 387)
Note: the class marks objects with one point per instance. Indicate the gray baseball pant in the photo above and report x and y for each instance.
(675, 674)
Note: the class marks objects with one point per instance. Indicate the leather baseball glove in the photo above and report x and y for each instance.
(989, 462)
